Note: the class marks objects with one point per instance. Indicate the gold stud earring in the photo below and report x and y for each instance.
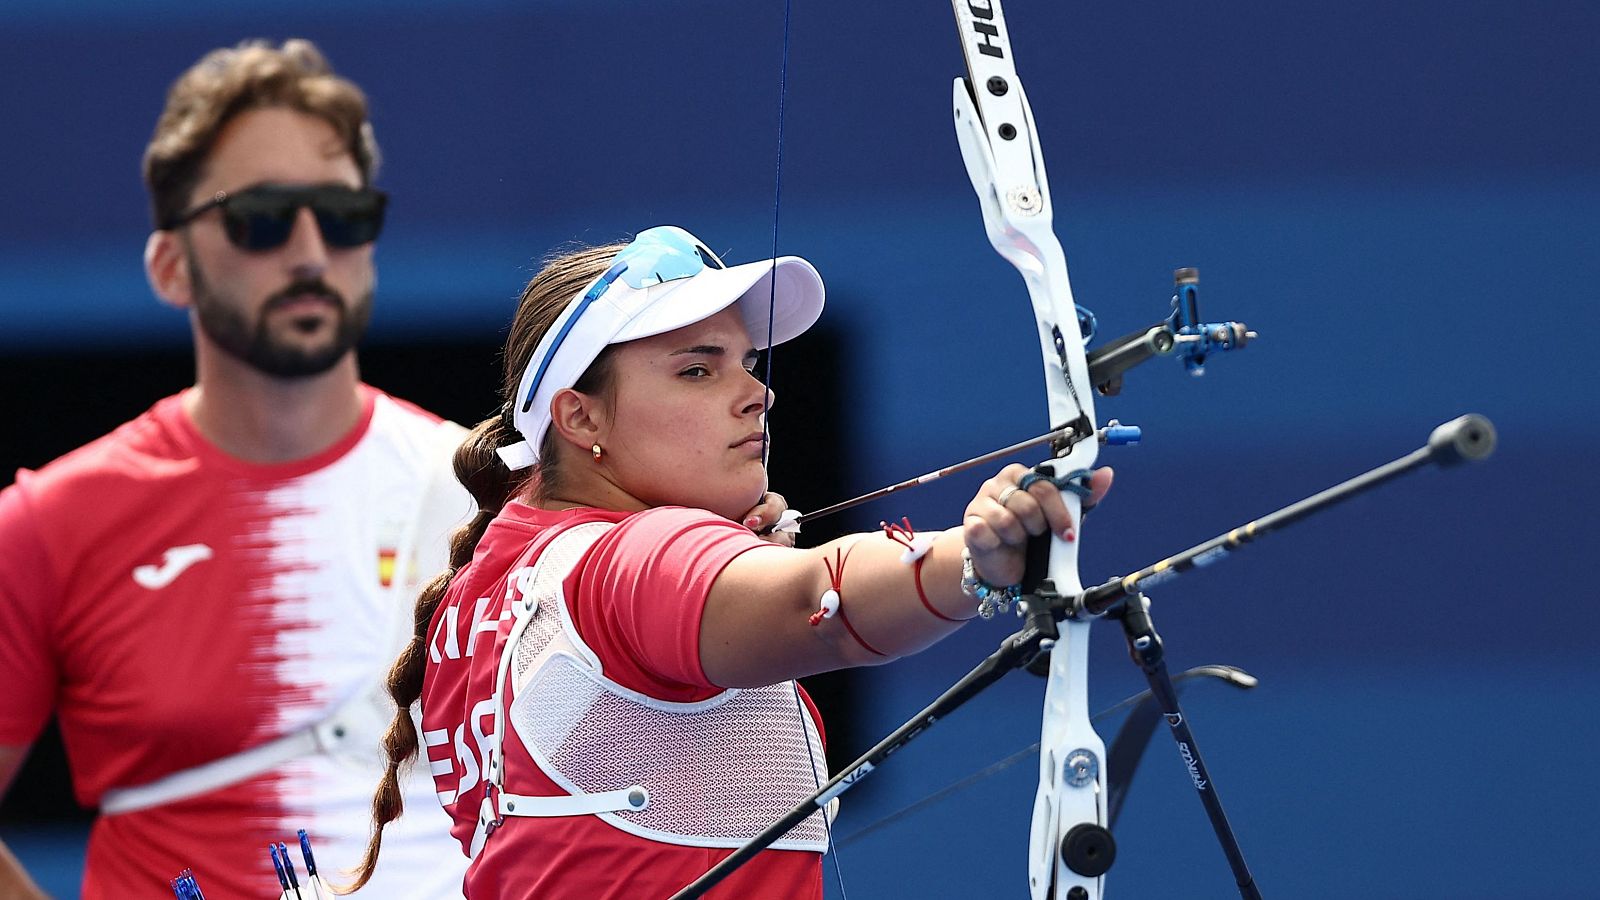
(597, 451)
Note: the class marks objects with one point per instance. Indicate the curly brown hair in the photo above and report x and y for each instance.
(230, 80)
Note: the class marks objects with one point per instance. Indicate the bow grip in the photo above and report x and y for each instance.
(1035, 571)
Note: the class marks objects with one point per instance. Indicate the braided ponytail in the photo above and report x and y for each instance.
(492, 485)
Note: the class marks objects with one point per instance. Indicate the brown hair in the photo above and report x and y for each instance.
(491, 484)
(230, 80)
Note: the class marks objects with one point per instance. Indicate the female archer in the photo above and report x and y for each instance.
(606, 672)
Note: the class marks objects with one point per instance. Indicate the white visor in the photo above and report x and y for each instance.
(788, 287)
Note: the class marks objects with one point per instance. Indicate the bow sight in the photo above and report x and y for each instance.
(1182, 331)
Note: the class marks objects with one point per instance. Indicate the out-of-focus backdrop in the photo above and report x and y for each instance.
(1401, 198)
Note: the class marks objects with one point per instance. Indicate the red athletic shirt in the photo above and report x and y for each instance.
(173, 605)
(635, 599)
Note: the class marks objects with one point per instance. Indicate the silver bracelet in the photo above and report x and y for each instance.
(991, 598)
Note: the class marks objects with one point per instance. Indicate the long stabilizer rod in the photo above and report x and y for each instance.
(1469, 438)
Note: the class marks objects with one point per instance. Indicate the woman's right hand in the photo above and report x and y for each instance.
(1001, 518)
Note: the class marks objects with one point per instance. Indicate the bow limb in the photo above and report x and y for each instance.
(995, 128)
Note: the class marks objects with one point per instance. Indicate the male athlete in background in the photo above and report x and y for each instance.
(207, 596)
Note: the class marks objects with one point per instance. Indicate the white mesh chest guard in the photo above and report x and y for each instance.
(715, 773)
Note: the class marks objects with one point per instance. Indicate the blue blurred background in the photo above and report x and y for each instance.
(1400, 197)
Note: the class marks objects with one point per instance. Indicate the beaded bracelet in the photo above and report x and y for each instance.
(991, 598)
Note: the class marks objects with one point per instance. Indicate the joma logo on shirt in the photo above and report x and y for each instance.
(173, 563)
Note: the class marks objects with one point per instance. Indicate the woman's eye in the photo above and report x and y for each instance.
(698, 371)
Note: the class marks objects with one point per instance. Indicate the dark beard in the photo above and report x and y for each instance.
(228, 328)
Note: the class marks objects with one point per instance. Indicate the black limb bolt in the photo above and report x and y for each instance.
(1088, 850)
(1077, 893)
(1469, 438)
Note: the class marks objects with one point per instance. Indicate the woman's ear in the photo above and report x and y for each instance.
(580, 419)
(166, 267)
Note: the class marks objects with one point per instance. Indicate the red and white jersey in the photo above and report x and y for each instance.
(633, 601)
(174, 605)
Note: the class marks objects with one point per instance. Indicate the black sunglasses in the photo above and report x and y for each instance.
(261, 218)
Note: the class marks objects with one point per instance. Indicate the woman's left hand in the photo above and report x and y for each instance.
(1000, 519)
(764, 515)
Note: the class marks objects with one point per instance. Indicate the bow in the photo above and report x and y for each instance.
(1070, 846)
(1000, 146)
(994, 127)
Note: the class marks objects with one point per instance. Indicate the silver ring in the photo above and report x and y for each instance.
(1006, 494)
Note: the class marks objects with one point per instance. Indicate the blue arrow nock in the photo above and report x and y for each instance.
(184, 887)
(305, 853)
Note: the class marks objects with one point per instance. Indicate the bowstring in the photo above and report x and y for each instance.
(777, 201)
(766, 385)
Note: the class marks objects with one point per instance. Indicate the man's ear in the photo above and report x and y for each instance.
(579, 419)
(166, 267)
